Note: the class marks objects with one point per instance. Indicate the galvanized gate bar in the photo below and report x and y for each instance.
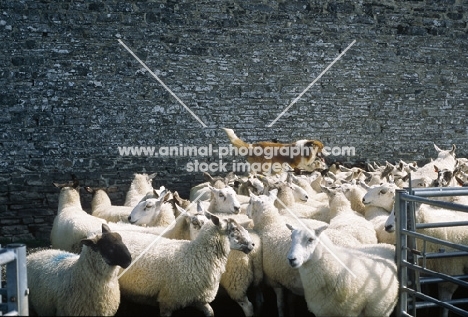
(446, 277)
(441, 224)
(437, 203)
(436, 240)
(437, 302)
(440, 191)
(401, 252)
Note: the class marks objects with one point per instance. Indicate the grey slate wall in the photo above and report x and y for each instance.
(70, 94)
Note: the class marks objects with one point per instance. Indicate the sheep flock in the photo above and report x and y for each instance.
(319, 237)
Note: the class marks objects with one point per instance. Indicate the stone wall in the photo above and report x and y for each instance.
(71, 94)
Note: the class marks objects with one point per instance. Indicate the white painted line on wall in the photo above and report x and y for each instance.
(311, 84)
(161, 82)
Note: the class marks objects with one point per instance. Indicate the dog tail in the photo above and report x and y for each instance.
(235, 139)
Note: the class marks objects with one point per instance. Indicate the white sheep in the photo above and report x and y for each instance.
(203, 192)
(151, 213)
(445, 159)
(379, 202)
(345, 219)
(66, 284)
(101, 206)
(317, 180)
(250, 183)
(243, 271)
(140, 186)
(224, 200)
(314, 197)
(180, 273)
(355, 193)
(271, 228)
(360, 283)
(446, 178)
(72, 223)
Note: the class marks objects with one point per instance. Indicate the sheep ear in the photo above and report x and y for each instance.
(452, 151)
(166, 197)
(325, 190)
(436, 169)
(87, 242)
(176, 200)
(105, 228)
(290, 227)
(151, 176)
(344, 168)
(180, 209)
(364, 185)
(273, 194)
(76, 183)
(91, 242)
(89, 189)
(215, 220)
(437, 148)
(207, 177)
(319, 230)
(214, 190)
(155, 193)
(200, 209)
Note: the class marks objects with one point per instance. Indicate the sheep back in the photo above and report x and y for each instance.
(70, 226)
(331, 290)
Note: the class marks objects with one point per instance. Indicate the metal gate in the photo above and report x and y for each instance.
(13, 259)
(411, 261)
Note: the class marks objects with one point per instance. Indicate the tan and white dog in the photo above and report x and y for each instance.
(300, 155)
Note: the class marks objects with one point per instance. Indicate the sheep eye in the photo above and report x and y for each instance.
(221, 195)
(310, 240)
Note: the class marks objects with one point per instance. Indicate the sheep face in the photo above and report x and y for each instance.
(110, 246)
(444, 178)
(421, 182)
(390, 223)
(300, 194)
(225, 200)
(314, 176)
(257, 204)
(303, 245)
(239, 238)
(256, 183)
(380, 196)
(196, 223)
(146, 210)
